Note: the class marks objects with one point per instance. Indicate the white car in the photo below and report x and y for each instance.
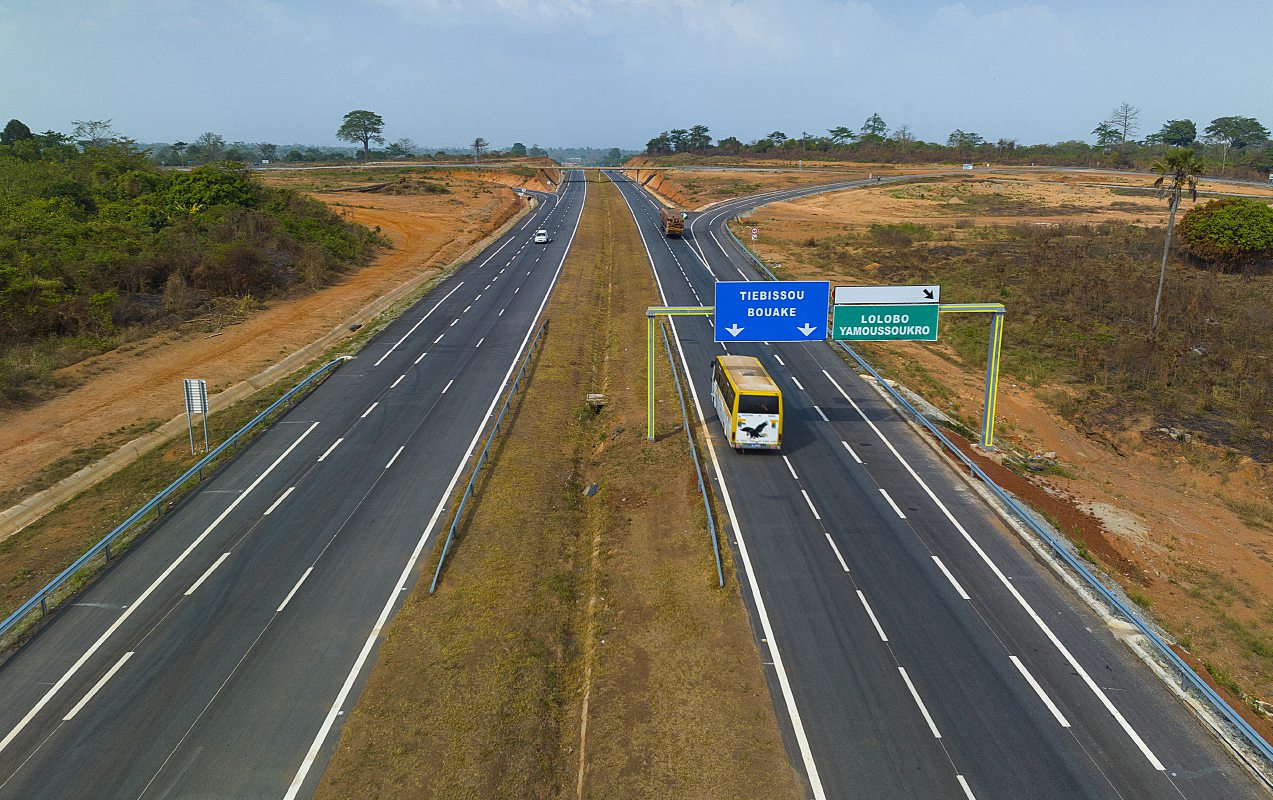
(541, 236)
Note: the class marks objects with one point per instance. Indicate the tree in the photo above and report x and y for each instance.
(93, 132)
(479, 144)
(1106, 135)
(268, 151)
(680, 138)
(1177, 133)
(904, 134)
(964, 140)
(1237, 132)
(874, 127)
(177, 148)
(612, 158)
(1178, 172)
(536, 151)
(699, 138)
(1125, 118)
(208, 147)
(660, 145)
(518, 149)
(362, 126)
(403, 148)
(730, 144)
(841, 135)
(777, 137)
(15, 131)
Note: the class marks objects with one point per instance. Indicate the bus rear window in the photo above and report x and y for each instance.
(757, 404)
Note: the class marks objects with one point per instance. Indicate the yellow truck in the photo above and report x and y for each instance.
(671, 223)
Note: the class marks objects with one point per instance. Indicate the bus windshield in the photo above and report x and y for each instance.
(757, 404)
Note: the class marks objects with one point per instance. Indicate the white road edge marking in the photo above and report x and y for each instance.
(370, 408)
(329, 450)
(288, 599)
(307, 764)
(784, 682)
(816, 515)
(851, 452)
(958, 589)
(395, 456)
(413, 327)
(871, 614)
(128, 612)
(891, 503)
(280, 499)
(838, 557)
(932, 726)
(110, 673)
(1007, 584)
(206, 574)
(1047, 701)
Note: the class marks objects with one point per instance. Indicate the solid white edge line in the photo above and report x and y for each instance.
(820, 414)
(329, 450)
(838, 557)
(851, 451)
(958, 589)
(128, 612)
(932, 726)
(448, 385)
(395, 456)
(1047, 701)
(110, 673)
(816, 515)
(288, 599)
(871, 614)
(394, 385)
(308, 762)
(206, 574)
(280, 500)
(1007, 584)
(790, 468)
(370, 408)
(784, 682)
(963, 784)
(418, 324)
(891, 503)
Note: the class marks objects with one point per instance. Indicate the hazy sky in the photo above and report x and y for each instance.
(616, 72)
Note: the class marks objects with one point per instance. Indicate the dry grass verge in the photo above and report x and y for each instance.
(552, 596)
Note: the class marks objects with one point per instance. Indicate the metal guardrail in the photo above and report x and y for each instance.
(51, 593)
(748, 251)
(1062, 551)
(689, 433)
(468, 489)
(1195, 681)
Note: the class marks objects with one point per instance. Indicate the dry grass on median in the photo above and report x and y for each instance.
(552, 596)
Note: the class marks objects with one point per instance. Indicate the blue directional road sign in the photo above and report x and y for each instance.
(771, 311)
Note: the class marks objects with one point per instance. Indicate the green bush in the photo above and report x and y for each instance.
(1234, 233)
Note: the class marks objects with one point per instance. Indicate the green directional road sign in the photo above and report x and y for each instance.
(885, 323)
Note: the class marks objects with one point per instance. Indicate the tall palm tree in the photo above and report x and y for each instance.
(1178, 172)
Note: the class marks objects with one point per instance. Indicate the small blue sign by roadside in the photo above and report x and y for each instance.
(771, 311)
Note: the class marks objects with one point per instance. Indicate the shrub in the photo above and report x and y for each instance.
(1234, 233)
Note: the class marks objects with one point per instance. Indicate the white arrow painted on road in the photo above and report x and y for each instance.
(734, 329)
(806, 329)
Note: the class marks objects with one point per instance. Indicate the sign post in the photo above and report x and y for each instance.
(771, 311)
(196, 393)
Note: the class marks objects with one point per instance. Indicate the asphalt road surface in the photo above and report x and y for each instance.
(914, 648)
(217, 659)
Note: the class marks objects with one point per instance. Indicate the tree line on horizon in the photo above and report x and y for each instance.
(1241, 145)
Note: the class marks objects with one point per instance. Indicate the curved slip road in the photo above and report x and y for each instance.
(217, 658)
(915, 649)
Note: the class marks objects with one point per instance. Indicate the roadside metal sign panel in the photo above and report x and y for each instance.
(771, 311)
(894, 323)
(196, 395)
(886, 295)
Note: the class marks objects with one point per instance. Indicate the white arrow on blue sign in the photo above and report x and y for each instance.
(771, 311)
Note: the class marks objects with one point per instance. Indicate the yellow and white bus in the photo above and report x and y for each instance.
(748, 403)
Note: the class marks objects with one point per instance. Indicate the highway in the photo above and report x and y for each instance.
(218, 657)
(914, 647)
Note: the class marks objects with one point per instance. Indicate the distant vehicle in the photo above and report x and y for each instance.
(671, 223)
(748, 403)
(541, 236)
